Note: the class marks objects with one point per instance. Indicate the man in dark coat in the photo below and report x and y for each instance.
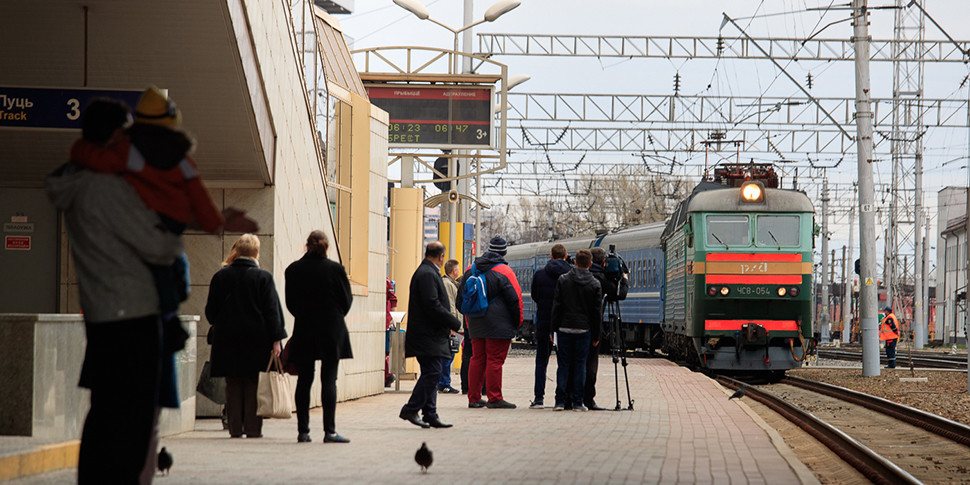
(318, 295)
(543, 290)
(430, 325)
(492, 333)
(576, 314)
(247, 327)
(592, 360)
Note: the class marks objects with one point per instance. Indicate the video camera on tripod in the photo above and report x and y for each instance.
(616, 289)
(615, 270)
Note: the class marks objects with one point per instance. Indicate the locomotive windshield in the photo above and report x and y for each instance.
(777, 230)
(728, 231)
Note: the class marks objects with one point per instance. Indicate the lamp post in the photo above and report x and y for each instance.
(494, 12)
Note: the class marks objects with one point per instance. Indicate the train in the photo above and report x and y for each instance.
(725, 284)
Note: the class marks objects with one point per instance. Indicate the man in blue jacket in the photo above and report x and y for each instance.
(543, 290)
(430, 324)
(491, 333)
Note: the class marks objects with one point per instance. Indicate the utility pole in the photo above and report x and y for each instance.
(919, 262)
(867, 221)
(823, 317)
(923, 329)
(843, 303)
(847, 309)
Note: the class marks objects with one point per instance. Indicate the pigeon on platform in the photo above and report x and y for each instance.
(424, 457)
(739, 393)
(164, 461)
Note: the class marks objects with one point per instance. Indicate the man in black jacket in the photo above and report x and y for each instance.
(543, 290)
(576, 314)
(430, 324)
(593, 361)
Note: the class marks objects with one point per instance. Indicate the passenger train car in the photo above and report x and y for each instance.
(642, 311)
(724, 284)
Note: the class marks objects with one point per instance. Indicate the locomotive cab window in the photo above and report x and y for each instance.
(777, 230)
(728, 230)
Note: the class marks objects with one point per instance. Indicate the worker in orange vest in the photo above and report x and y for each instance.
(889, 331)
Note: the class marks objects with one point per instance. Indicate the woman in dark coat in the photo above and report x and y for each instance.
(318, 295)
(247, 327)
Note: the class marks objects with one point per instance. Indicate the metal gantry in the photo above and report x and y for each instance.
(673, 47)
(906, 209)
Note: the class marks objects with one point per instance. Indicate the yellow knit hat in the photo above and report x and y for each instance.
(155, 108)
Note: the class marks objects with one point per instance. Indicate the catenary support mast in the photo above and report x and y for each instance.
(867, 216)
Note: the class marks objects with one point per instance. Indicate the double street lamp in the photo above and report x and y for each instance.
(494, 12)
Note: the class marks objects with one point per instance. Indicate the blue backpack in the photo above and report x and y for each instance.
(474, 300)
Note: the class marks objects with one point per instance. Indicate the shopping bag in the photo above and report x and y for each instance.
(213, 388)
(273, 396)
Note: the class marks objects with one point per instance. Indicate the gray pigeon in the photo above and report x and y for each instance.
(165, 461)
(424, 457)
(739, 393)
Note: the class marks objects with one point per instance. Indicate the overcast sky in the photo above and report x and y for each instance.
(381, 23)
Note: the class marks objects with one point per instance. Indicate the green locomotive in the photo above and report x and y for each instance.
(738, 263)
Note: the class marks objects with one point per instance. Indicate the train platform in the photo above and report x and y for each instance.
(683, 430)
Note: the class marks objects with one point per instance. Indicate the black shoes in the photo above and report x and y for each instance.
(500, 404)
(414, 419)
(448, 390)
(334, 438)
(303, 438)
(479, 404)
(436, 423)
(594, 407)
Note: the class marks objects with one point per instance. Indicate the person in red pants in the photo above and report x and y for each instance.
(491, 333)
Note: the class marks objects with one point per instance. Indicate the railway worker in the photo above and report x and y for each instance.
(576, 314)
(543, 290)
(889, 331)
(491, 333)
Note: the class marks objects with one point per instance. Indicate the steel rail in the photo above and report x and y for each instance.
(872, 465)
(939, 362)
(951, 430)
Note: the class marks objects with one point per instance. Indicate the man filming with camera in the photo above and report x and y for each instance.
(615, 288)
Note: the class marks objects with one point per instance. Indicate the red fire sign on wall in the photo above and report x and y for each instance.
(18, 243)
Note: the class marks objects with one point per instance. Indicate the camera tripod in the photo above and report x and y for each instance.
(618, 349)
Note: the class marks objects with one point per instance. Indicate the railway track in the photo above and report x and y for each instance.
(886, 442)
(932, 360)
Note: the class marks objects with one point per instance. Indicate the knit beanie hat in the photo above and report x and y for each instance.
(498, 245)
(154, 108)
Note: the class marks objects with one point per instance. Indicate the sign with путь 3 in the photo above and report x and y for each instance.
(58, 108)
(18, 227)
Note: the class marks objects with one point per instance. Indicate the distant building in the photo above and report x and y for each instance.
(432, 216)
(951, 266)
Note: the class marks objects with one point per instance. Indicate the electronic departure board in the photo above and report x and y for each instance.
(436, 116)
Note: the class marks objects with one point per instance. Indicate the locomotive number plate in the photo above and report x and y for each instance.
(754, 290)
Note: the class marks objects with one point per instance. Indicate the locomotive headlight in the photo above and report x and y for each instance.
(782, 291)
(712, 291)
(752, 192)
(725, 290)
(793, 291)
